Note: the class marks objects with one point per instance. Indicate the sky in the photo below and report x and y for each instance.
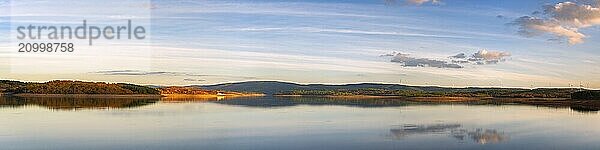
(509, 43)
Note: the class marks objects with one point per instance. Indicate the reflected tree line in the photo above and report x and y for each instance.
(275, 101)
(90, 103)
(272, 101)
(72, 103)
(294, 101)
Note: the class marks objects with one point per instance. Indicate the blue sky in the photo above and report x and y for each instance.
(349, 41)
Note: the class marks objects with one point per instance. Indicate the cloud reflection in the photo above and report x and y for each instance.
(457, 131)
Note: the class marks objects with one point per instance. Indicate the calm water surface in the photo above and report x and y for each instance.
(288, 123)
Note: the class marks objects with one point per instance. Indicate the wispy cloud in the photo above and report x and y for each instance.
(415, 2)
(3, 3)
(135, 72)
(268, 8)
(162, 73)
(344, 31)
(257, 60)
(193, 80)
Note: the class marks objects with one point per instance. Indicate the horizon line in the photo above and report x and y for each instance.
(316, 83)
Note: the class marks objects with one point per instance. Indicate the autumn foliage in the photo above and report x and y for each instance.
(187, 90)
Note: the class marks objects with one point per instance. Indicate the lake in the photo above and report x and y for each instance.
(288, 123)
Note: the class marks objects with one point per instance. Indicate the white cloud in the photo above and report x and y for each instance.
(408, 61)
(421, 2)
(575, 15)
(491, 55)
(415, 2)
(562, 20)
(481, 57)
(531, 26)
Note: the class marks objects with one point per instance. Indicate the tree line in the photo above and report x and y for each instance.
(74, 87)
(508, 93)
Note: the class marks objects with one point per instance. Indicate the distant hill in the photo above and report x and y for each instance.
(283, 88)
(377, 89)
(266, 87)
(274, 87)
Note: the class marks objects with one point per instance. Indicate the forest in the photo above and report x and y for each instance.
(73, 87)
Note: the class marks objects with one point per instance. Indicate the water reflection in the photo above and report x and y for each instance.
(584, 109)
(67, 103)
(188, 99)
(487, 136)
(457, 131)
(294, 101)
(71, 103)
(238, 124)
(274, 101)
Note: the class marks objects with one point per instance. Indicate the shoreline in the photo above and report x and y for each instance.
(127, 95)
(87, 95)
(423, 99)
(583, 105)
(342, 96)
(209, 95)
